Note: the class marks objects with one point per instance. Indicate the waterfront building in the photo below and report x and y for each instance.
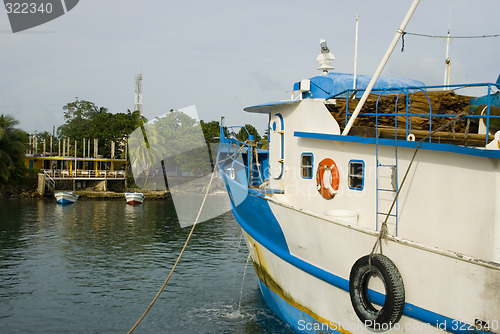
(66, 170)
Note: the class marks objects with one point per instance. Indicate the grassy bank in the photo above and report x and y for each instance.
(23, 191)
(148, 194)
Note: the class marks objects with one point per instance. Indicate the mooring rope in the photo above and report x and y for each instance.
(254, 151)
(383, 229)
(186, 242)
(178, 257)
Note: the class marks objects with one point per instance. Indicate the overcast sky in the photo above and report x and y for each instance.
(225, 55)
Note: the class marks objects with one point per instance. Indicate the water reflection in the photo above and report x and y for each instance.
(94, 266)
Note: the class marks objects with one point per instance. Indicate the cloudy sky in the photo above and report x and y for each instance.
(224, 55)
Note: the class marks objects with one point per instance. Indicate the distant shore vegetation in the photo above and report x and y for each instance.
(84, 120)
(13, 144)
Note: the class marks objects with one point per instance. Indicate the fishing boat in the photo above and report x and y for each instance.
(375, 208)
(65, 197)
(134, 198)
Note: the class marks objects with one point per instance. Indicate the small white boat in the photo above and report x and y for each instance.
(134, 198)
(65, 197)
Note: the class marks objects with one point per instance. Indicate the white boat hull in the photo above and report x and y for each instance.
(65, 197)
(304, 247)
(309, 286)
(134, 198)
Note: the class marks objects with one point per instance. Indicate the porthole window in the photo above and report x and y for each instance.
(306, 165)
(356, 174)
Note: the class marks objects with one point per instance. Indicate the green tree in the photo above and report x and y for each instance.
(174, 138)
(86, 120)
(81, 109)
(12, 147)
(243, 135)
(146, 153)
(182, 139)
(265, 140)
(78, 116)
(211, 132)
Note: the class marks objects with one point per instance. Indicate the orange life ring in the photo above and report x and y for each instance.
(327, 178)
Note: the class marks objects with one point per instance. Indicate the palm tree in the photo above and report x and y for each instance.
(137, 119)
(12, 145)
(145, 153)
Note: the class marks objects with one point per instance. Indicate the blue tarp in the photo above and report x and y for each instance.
(494, 101)
(325, 86)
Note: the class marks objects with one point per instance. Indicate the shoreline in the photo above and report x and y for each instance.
(29, 192)
(83, 194)
(111, 195)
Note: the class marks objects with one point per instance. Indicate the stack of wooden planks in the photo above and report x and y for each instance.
(442, 105)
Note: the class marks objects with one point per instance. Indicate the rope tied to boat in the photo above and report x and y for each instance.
(178, 257)
(253, 151)
(228, 156)
(383, 228)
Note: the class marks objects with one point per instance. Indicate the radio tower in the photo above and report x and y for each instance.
(138, 93)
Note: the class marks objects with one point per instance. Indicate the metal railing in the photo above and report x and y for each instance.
(231, 151)
(51, 183)
(408, 115)
(80, 173)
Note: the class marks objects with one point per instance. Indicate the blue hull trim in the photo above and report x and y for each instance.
(64, 201)
(255, 216)
(403, 143)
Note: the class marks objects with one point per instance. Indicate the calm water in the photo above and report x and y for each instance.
(94, 267)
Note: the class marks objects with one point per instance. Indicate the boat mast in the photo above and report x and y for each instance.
(381, 66)
(447, 61)
(355, 55)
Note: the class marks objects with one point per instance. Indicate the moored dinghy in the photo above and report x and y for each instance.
(65, 197)
(134, 198)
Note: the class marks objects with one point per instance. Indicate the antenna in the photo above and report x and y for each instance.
(138, 93)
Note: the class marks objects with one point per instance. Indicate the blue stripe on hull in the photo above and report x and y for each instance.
(257, 219)
(65, 201)
(479, 152)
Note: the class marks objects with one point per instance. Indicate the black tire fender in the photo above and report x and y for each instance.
(383, 268)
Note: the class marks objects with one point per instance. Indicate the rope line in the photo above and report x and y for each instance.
(185, 243)
(452, 37)
(404, 33)
(178, 257)
(254, 151)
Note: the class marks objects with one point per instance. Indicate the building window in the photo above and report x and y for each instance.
(306, 165)
(356, 174)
